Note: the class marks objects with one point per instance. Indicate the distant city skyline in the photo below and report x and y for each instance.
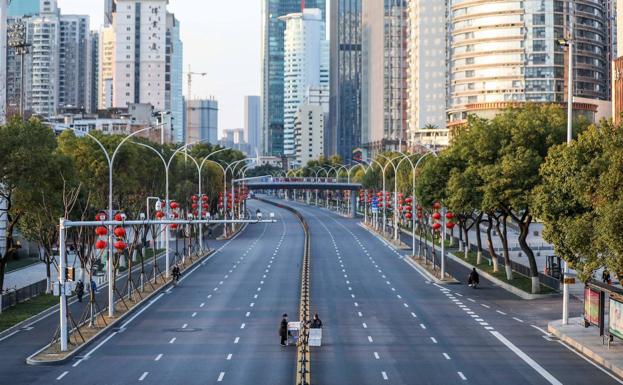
(209, 31)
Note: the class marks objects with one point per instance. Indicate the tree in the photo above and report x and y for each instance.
(26, 148)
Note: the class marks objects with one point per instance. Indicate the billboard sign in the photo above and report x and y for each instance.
(615, 317)
(591, 306)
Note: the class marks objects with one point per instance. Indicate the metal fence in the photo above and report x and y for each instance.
(13, 297)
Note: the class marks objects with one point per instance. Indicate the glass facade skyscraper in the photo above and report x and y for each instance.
(507, 52)
(343, 133)
(273, 68)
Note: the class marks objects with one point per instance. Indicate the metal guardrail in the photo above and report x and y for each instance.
(303, 356)
(11, 297)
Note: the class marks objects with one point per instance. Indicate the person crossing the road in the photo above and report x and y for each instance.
(176, 273)
(283, 330)
(474, 278)
(316, 323)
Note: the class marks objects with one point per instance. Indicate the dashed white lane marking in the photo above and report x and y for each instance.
(405, 305)
(459, 294)
(184, 326)
(172, 340)
(194, 314)
(220, 377)
(413, 315)
(462, 376)
(446, 356)
(229, 357)
(209, 296)
(384, 376)
(517, 319)
(471, 300)
(501, 312)
(398, 296)
(433, 339)
(487, 306)
(202, 304)
(370, 338)
(356, 304)
(237, 340)
(141, 378)
(423, 326)
(538, 368)
(376, 355)
(252, 304)
(61, 376)
(364, 325)
(248, 314)
(255, 296)
(158, 357)
(242, 326)
(359, 314)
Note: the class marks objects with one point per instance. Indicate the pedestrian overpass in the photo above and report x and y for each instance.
(306, 185)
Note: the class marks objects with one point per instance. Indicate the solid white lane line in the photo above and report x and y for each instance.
(77, 363)
(99, 345)
(501, 312)
(220, 377)
(433, 339)
(237, 340)
(376, 355)
(370, 338)
(229, 357)
(462, 376)
(126, 323)
(61, 376)
(158, 357)
(172, 340)
(446, 356)
(538, 368)
(384, 376)
(517, 319)
(10, 335)
(141, 378)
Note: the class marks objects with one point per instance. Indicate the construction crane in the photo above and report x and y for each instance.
(190, 75)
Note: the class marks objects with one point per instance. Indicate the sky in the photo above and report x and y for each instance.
(221, 37)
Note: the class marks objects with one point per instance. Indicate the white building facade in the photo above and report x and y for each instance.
(306, 64)
(309, 126)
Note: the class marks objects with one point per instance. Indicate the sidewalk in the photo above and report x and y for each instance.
(588, 342)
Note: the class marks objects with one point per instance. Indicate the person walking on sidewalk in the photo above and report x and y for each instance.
(80, 290)
(605, 277)
(283, 330)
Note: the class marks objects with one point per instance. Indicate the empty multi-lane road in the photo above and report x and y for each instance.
(384, 322)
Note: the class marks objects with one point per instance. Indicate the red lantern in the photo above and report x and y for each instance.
(409, 208)
(174, 205)
(120, 245)
(436, 216)
(408, 215)
(100, 245)
(204, 198)
(159, 214)
(437, 205)
(119, 232)
(119, 217)
(194, 206)
(450, 225)
(205, 206)
(176, 215)
(436, 226)
(194, 198)
(420, 215)
(101, 217)
(449, 215)
(409, 200)
(174, 226)
(101, 231)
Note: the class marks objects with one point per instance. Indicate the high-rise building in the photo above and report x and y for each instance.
(74, 89)
(384, 75)
(109, 9)
(427, 74)
(343, 129)
(204, 121)
(147, 59)
(252, 123)
(93, 76)
(3, 58)
(106, 67)
(309, 126)
(306, 64)
(42, 92)
(175, 78)
(504, 53)
(272, 68)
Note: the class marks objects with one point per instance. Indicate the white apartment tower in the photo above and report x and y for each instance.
(42, 97)
(74, 62)
(306, 64)
(426, 73)
(106, 67)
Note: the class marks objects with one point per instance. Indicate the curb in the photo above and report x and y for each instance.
(584, 350)
(31, 361)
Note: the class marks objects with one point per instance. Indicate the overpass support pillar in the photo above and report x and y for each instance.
(353, 202)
